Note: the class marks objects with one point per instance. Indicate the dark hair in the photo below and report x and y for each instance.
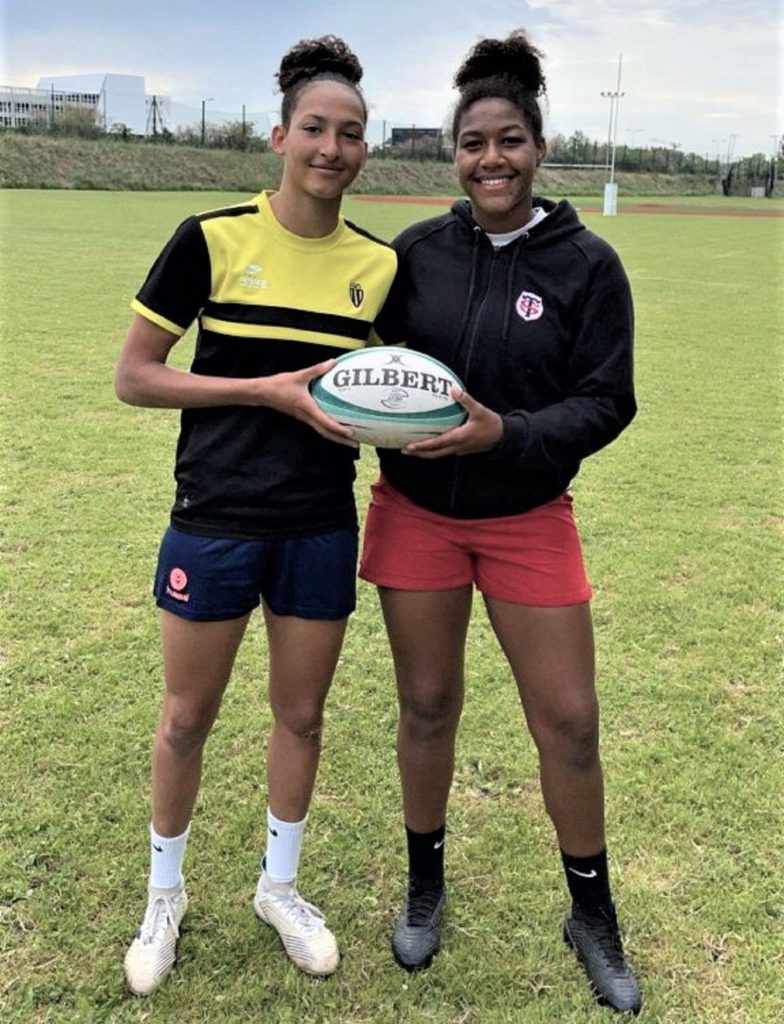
(310, 60)
(508, 69)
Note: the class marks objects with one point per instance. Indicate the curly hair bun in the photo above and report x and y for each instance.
(311, 57)
(514, 57)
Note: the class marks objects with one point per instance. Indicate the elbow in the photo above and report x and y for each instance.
(125, 387)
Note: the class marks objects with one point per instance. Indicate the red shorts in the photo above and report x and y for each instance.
(533, 559)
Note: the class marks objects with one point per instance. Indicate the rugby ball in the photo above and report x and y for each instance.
(389, 397)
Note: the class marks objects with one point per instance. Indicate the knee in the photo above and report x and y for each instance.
(185, 729)
(572, 737)
(430, 716)
(304, 720)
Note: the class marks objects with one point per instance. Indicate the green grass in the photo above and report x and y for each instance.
(681, 522)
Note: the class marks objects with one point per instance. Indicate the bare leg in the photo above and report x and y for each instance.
(427, 633)
(551, 654)
(303, 655)
(198, 659)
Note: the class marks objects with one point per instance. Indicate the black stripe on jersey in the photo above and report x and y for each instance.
(230, 211)
(283, 316)
(366, 234)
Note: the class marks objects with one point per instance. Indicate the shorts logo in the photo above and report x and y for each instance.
(178, 581)
(357, 293)
(529, 306)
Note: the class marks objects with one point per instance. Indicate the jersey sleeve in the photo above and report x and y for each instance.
(178, 284)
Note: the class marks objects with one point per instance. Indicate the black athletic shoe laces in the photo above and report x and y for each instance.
(422, 905)
(608, 938)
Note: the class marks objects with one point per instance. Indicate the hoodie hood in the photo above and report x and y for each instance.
(561, 221)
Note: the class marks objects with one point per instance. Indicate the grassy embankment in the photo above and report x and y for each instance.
(41, 162)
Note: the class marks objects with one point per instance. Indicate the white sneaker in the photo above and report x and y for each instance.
(301, 926)
(153, 952)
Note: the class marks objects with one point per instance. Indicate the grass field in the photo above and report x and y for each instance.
(681, 520)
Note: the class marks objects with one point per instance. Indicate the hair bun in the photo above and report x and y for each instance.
(311, 57)
(514, 57)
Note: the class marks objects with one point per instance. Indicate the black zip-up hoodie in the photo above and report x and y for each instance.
(539, 330)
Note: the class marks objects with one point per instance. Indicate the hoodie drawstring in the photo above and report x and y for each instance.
(509, 281)
(469, 294)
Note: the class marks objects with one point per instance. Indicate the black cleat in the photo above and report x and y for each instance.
(417, 935)
(597, 943)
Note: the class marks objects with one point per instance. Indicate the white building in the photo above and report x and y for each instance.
(120, 98)
(116, 100)
(20, 107)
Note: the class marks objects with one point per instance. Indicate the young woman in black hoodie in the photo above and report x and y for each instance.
(534, 313)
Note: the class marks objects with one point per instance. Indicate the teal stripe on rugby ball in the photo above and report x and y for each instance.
(337, 407)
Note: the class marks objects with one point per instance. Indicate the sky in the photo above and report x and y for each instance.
(702, 75)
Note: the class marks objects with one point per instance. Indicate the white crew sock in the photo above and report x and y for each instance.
(166, 857)
(284, 843)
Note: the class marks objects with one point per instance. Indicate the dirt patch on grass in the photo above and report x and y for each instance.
(414, 200)
(665, 208)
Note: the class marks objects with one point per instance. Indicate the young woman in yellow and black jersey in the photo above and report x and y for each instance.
(264, 510)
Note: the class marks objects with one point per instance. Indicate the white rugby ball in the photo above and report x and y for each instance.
(390, 397)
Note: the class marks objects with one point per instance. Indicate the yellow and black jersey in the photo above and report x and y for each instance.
(266, 301)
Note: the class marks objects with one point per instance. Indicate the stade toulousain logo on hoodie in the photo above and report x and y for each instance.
(529, 306)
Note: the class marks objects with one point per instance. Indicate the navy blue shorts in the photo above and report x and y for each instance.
(211, 579)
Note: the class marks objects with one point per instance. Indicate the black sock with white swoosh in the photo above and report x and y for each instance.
(426, 858)
(588, 881)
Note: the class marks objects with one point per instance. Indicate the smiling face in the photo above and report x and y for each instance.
(324, 144)
(496, 157)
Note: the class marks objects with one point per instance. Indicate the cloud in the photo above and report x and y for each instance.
(687, 64)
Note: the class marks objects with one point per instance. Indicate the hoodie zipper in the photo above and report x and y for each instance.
(478, 319)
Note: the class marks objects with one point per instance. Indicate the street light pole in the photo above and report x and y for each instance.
(719, 144)
(203, 121)
(634, 132)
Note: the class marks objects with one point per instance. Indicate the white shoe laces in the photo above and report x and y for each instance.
(303, 915)
(159, 915)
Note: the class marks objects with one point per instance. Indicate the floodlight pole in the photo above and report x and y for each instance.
(611, 97)
(610, 188)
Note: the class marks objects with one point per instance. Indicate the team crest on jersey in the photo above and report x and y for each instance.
(357, 293)
(529, 306)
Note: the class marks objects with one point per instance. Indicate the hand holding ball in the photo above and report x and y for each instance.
(390, 397)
